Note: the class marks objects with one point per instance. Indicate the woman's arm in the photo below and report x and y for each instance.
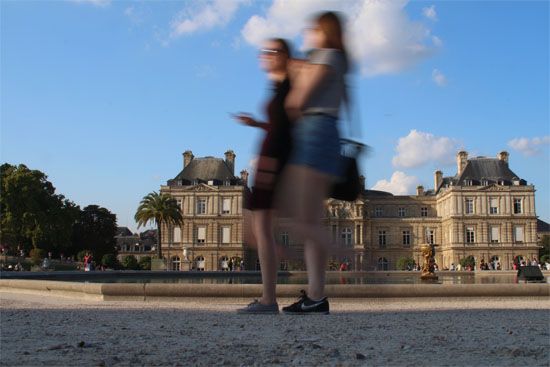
(306, 80)
(249, 121)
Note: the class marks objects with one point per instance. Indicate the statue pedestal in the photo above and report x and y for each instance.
(185, 265)
(428, 277)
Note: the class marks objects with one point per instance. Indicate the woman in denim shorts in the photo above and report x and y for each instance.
(313, 103)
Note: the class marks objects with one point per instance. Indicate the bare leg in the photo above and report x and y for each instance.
(311, 188)
(263, 229)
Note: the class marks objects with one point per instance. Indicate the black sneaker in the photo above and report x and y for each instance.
(305, 305)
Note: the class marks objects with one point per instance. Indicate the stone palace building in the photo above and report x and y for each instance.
(484, 210)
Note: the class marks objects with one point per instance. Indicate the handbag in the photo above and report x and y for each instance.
(349, 186)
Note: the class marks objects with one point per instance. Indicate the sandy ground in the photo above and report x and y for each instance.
(51, 331)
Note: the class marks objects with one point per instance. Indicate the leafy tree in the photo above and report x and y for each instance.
(130, 262)
(95, 230)
(145, 263)
(110, 261)
(405, 262)
(545, 249)
(32, 214)
(468, 261)
(37, 255)
(159, 209)
(80, 255)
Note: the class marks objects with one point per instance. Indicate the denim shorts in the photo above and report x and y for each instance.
(316, 142)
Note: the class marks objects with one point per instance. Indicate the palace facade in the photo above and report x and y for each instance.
(484, 210)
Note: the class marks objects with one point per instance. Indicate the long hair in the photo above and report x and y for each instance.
(330, 24)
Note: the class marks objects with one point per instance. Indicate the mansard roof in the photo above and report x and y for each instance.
(123, 231)
(482, 171)
(203, 170)
(489, 169)
(377, 193)
(542, 226)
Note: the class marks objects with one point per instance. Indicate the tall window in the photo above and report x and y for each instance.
(493, 206)
(470, 235)
(201, 206)
(346, 236)
(469, 206)
(518, 234)
(495, 234)
(334, 232)
(201, 234)
(378, 212)
(226, 234)
(430, 236)
(406, 238)
(285, 239)
(401, 212)
(178, 201)
(382, 239)
(424, 211)
(517, 206)
(226, 205)
(177, 234)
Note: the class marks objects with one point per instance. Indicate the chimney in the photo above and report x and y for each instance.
(503, 156)
(187, 158)
(419, 190)
(438, 179)
(362, 182)
(230, 160)
(461, 161)
(244, 177)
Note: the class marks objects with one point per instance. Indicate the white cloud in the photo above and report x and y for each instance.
(528, 146)
(136, 15)
(381, 37)
(207, 15)
(252, 163)
(439, 78)
(419, 148)
(430, 13)
(99, 3)
(437, 41)
(399, 184)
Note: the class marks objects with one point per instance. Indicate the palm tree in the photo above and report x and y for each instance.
(159, 209)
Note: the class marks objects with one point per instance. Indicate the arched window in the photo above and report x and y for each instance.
(176, 263)
(224, 263)
(382, 263)
(200, 263)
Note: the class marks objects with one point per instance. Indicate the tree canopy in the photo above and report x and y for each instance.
(32, 214)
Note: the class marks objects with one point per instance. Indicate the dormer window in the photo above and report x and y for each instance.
(484, 182)
(468, 183)
(195, 182)
(227, 182)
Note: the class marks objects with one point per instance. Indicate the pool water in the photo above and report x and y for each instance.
(255, 278)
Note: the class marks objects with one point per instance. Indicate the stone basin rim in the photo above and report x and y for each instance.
(165, 291)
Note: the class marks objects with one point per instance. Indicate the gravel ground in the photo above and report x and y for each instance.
(52, 331)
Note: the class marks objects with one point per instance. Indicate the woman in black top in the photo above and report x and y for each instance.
(274, 153)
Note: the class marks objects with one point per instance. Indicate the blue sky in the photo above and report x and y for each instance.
(104, 96)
